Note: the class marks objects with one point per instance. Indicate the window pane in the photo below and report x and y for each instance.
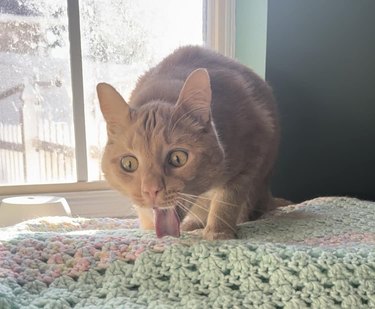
(120, 40)
(36, 123)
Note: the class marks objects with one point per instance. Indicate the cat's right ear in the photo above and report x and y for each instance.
(114, 108)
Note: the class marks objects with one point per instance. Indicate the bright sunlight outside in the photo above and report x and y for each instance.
(120, 40)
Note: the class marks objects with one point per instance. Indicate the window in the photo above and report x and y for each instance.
(146, 31)
(52, 55)
(36, 119)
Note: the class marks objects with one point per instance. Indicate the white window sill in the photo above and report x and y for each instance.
(93, 203)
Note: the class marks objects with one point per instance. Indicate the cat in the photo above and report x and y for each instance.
(196, 142)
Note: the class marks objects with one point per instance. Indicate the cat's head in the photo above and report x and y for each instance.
(161, 149)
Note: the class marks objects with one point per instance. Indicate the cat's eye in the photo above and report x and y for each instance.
(129, 163)
(178, 158)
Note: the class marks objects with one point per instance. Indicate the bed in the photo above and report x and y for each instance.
(318, 254)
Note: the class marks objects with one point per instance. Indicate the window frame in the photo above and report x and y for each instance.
(220, 36)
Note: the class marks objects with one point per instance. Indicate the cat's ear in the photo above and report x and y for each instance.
(114, 108)
(195, 95)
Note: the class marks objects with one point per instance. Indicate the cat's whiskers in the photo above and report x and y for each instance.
(205, 209)
(206, 198)
(192, 203)
(176, 213)
(180, 204)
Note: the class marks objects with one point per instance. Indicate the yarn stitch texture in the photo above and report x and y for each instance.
(317, 254)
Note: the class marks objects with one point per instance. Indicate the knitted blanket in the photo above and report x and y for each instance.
(318, 254)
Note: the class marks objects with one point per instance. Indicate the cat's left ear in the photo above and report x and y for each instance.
(195, 95)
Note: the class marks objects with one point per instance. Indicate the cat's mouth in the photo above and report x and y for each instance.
(167, 222)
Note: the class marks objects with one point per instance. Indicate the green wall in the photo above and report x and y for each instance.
(320, 61)
(251, 34)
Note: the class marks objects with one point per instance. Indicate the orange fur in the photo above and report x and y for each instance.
(217, 111)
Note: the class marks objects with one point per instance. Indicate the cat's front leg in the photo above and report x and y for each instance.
(220, 224)
(146, 217)
(225, 209)
(197, 214)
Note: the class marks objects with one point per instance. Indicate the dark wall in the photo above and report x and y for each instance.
(321, 65)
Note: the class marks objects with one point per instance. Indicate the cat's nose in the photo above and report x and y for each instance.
(152, 191)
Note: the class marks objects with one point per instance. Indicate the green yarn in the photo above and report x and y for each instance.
(318, 254)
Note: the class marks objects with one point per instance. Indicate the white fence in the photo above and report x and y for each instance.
(11, 154)
(47, 157)
(38, 150)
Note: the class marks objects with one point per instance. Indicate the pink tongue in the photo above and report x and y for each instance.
(166, 222)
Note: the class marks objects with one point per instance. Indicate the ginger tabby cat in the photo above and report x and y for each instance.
(195, 144)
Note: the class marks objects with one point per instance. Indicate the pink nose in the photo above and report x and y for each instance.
(151, 192)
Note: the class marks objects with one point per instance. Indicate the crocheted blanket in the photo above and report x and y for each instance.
(319, 254)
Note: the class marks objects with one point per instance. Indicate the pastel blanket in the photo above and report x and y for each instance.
(317, 254)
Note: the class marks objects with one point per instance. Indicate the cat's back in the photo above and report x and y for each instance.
(184, 60)
(165, 80)
(193, 57)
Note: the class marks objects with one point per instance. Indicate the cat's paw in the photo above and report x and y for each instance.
(222, 234)
(190, 224)
(196, 233)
